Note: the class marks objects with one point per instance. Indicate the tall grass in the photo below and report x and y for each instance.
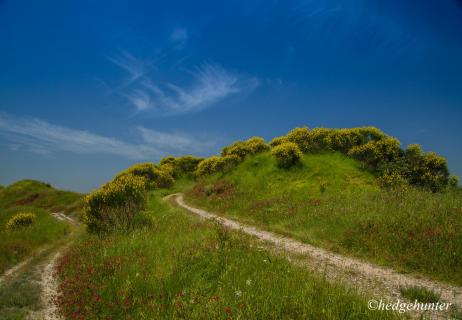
(179, 267)
(331, 202)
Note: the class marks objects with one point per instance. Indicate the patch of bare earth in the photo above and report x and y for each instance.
(376, 281)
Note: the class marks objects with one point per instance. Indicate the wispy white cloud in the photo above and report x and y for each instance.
(203, 86)
(133, 66)
(41, 137)
(175, 143)
(210, 83)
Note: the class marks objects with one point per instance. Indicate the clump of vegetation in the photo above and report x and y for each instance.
(287, 154)
(217, 164)
(20, 221)
(453, 181)
(115, 204)
(241, 149)
(392, 180)
(277, 141)
(154, 176)
(182, 166)
(301, 137)
(420, 294)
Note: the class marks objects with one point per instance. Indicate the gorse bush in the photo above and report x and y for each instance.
(277, 141)
(257, 145)
(231, 156)
(163, 177)
(287, 154)
(155, 177)
(115, 205)
(392, 180)
(181, 166)
(20, 221)
(301, 137)
(217, 164)
(374, 152)
(241, 149)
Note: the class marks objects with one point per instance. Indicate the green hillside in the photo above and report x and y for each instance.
(40, 195)
(40, 199)
(330, 200)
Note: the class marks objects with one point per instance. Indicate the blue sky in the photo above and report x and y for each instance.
(90, 87)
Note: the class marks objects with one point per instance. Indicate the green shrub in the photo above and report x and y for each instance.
(20, 221)
(241, 149)
(155, 177)
(186, 164)
(167, 160)
(287, 154)
(453, 181)
(256, 145)
(428, 170)
(181, 166)
(392, 180)
(277, 141)
(301, 137)
(162, 177)
(115, 205)
(144, 170)
(217, 164)
(375, 152)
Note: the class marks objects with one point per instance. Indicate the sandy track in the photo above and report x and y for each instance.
(49, 286)
(380, 282)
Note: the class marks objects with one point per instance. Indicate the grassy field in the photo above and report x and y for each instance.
(175, 266)
(38, 198)
(330, 201)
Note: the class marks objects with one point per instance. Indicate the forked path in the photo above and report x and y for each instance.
(380, 282)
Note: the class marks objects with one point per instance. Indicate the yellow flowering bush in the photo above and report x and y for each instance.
(277, 141)
(162, 177)
(392, 180)
(217, 164)
(185, 165)
(20, 221)
(155, 177)
(287, 154)
(301, 137)
(256, 145)
(375, 152)
(241, 149)
(115, 205)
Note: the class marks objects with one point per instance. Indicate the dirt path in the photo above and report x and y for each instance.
(11, 273)
(49, 285)
(48, 282)
(379, 282)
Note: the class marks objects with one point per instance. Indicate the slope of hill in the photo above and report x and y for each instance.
(329, 201)
(38, 198)
(40, 195)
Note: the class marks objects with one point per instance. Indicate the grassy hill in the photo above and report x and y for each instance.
(330, 201)
(39, 195)
(38, 198)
